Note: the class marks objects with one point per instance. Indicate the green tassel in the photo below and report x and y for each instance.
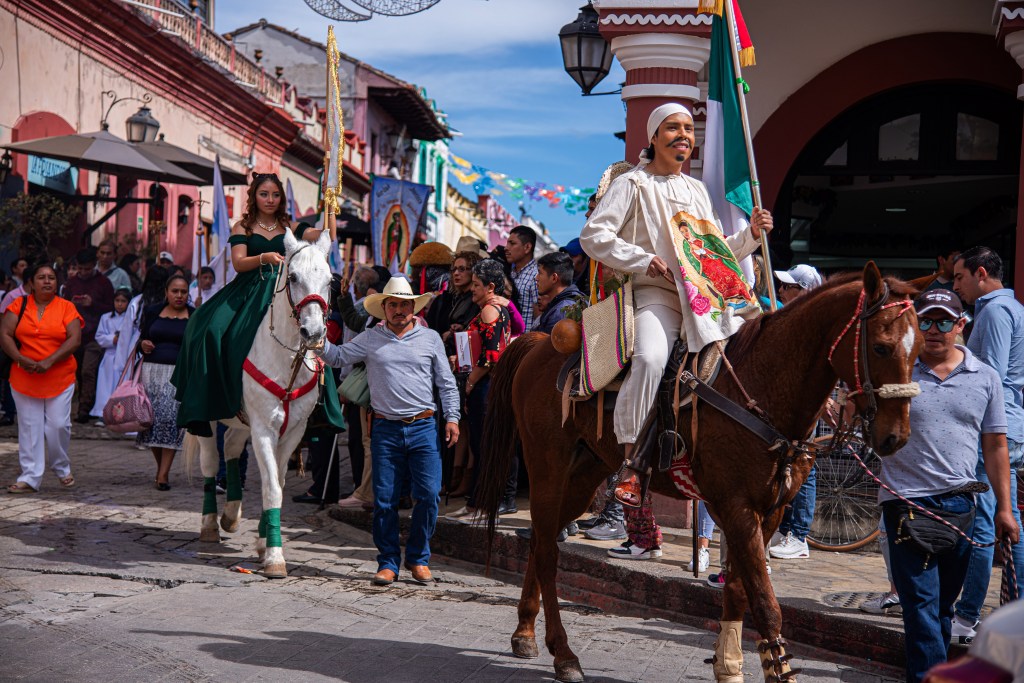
(209, 496)
(273, 527)
(263, 525)
(234, 480)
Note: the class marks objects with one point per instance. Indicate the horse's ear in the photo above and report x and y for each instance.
(920, 284)
(873, 282)
(290, 242)
(324, 242)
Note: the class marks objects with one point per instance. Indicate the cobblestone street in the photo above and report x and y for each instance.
(107, 582)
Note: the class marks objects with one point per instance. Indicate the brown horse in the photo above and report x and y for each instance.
(789, 363)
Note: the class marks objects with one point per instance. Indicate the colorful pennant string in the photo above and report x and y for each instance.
(485, 181)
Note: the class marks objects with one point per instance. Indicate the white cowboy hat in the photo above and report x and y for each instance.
(396, 288)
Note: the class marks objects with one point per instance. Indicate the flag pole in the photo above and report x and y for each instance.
(755, 184)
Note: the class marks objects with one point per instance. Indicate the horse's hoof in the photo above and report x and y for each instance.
(525, 647)
(209, 536)
(276, 571)
(229, 525)
(569, 671)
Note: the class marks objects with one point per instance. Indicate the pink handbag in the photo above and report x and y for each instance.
(128, 409)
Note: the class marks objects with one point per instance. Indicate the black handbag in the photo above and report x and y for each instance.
(928, 535)
(6, 361)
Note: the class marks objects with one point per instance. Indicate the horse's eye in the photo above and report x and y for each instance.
(881, 350)
(292, 278)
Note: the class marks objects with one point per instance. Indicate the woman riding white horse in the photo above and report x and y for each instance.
(238, 355)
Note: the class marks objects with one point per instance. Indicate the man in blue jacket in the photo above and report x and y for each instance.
(554, 281)
(998, 340)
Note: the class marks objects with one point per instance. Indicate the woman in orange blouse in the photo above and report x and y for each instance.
(41, 344)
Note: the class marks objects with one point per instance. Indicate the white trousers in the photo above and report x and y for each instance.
(656, 328)
(44, 434)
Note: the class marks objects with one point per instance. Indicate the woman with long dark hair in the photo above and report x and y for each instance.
(162, 332)
(208, 375)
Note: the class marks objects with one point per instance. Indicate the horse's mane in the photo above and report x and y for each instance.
(833, 286)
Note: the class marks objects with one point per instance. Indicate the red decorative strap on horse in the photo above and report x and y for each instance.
(311, 299)
(280, 392)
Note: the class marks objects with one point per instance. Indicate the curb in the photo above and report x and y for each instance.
(586, 576)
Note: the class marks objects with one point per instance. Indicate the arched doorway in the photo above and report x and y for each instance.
(901, 173)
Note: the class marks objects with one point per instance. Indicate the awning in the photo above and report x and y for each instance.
(198, 166)
(104, 152)
(405, 106)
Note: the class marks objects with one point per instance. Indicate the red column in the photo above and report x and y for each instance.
(662, 50)
(1010, 19)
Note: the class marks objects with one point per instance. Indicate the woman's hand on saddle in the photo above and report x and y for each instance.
(658, 268)
(147, 346)
(761, 220)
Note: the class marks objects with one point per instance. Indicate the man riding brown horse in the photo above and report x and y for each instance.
(652, 216)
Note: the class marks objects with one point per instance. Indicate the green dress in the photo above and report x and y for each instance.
(208, 374)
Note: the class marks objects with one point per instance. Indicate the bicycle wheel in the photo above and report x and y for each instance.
(846, 511)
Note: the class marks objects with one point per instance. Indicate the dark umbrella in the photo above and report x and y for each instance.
(192, 163)
(106, 153)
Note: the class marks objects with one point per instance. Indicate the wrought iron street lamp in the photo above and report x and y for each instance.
(141, 125)
(586, 55)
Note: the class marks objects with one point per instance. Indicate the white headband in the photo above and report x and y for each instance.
(658, 117)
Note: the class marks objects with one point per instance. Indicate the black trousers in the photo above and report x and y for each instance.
(323, 466)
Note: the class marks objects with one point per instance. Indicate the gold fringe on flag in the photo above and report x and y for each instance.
(747, 56)
(335, 128)
(710, 7)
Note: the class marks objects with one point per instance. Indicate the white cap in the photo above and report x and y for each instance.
(802, 275)
(166, 255)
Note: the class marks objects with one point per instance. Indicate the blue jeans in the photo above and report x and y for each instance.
(705, 525)
(404, 453)
(927, 591)
(800, 512)
(979, 570)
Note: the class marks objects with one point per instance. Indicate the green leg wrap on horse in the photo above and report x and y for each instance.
(273, 527)
(262, 528)
(209, 496)
(234, 480)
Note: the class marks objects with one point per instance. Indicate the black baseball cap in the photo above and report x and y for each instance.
(942, 299)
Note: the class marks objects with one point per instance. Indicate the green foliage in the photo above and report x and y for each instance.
(36, 221)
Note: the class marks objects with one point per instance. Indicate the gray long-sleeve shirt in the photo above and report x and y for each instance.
(401, 371)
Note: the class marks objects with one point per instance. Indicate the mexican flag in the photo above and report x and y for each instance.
(726, 171)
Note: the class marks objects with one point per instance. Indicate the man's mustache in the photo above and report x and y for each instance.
(678, 140)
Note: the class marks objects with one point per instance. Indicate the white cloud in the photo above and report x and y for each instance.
(452, 27)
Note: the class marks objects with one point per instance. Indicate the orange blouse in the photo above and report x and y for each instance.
(40, 339)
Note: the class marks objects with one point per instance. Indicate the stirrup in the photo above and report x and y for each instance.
(631, 488)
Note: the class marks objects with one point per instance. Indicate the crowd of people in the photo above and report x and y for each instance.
(412, 357)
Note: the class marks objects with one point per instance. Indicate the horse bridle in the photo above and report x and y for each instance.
(296, 308)
(860, 353)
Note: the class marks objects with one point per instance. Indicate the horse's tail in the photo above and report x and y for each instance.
(501, 434)
(191, 451)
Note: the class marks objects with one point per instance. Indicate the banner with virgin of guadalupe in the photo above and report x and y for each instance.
(396, 209)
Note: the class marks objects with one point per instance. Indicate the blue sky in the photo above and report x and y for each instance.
(495, 67)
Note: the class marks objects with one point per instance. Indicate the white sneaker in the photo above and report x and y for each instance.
(628, 551)
(775, 539)
(474, 518)
(790, 548)
(889, 603)
(703, 560)
(962, 632)
(460, 513)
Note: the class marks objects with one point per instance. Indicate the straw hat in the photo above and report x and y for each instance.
(396, 288)
(610, 174)
(470, 243)
(431, 254)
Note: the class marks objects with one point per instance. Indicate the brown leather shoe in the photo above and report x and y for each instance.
(385, 577)
(420, 573)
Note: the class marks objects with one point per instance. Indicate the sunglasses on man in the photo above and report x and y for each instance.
(944, 325)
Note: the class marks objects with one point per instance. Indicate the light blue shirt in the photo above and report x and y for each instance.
(401, 371)
(947, 420)
(998, 340)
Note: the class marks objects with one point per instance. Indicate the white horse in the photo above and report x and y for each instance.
(280, 387)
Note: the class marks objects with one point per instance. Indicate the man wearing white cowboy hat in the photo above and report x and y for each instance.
(404, 362)
(654, 215)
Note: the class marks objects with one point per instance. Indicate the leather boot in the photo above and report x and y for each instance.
(728, 660)
(775, 661)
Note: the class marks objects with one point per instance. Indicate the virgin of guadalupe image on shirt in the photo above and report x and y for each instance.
(395, 240)
(711, 275)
